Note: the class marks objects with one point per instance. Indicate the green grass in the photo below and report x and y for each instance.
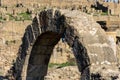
(25, 16)
(20, 16)
(11, 17)
(1, 73)
(2, 19)
(104, 13)
(50, 65)
(61, 65)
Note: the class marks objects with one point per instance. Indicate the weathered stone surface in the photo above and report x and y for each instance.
(83, 35)
(10, 40)
(66, 73)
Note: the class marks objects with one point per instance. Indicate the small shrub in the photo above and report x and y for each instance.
(10, 42)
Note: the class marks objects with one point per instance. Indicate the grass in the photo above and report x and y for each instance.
(25, 16)
(95, 14)
(11, 17)
(2, 19)
(104, 13)
(61, 65)
(1, 73)
(20, 16)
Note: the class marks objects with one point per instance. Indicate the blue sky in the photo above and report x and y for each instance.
(112, 0)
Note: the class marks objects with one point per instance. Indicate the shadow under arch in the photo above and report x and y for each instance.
(38, 42)
(41, 53)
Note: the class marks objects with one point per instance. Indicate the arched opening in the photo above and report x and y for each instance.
(39, 41)
(41, 53)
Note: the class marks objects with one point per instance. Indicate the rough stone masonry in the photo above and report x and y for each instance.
(87, 40)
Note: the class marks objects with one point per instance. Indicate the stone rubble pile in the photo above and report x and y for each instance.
(65, 73)
(106, 72)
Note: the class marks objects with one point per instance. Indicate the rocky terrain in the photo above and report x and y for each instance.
(72, 73)
(65, 73)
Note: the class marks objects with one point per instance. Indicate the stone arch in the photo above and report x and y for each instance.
(41, 53)
(43, 34)
(46, 30)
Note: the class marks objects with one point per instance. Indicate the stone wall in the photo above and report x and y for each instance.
(11, 33)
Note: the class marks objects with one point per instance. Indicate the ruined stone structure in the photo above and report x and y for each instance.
(83, 35)
(90, 37)
(112, 23)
